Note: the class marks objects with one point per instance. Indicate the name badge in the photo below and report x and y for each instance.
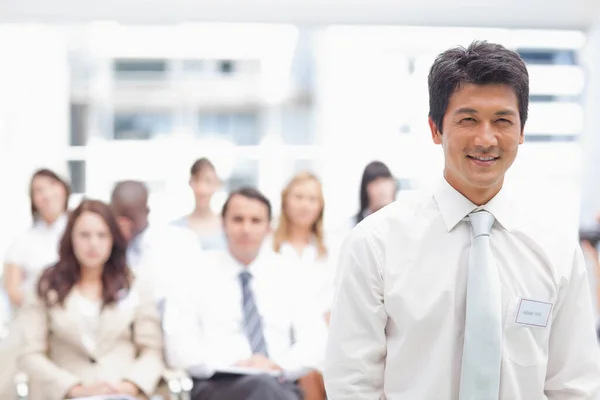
(533, 313)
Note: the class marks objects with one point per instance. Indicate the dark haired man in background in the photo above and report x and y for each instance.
(230, 324)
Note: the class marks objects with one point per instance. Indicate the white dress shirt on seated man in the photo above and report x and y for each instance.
(203, 322)
(399, 313)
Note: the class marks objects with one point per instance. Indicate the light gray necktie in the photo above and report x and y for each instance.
(482, 353)
(252, 319)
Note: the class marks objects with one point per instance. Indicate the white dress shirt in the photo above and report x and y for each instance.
(36, 249)
(399, 311)
(203, 322)
(162, 254)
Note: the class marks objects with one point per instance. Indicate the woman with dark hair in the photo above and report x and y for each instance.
(203, 221)
(90, 329)
(37, 247)
(377, 189)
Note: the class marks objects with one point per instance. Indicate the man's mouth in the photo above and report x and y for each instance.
(483, 158)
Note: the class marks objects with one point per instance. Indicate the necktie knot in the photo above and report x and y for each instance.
(245, 277)
(481, 223)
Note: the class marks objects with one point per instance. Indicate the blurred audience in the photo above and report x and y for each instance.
(242, 325)
(203, 221)
(244, 310)
(90, 328)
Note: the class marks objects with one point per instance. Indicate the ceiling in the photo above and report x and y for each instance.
(559, 14)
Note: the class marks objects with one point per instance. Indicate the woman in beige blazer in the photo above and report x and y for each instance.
(90, 329)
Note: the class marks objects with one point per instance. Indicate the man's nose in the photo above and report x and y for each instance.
(486, 136)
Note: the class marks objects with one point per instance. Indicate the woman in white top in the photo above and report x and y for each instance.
(300, 234)
(204, 182)
(91, 329)
(300, 237)
(37, 247)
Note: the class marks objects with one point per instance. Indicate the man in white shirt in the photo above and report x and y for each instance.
(158, 254)
(461, 294)
(241, 326)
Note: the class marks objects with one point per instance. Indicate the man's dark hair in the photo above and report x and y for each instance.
(249, 193)
(127, 196)
(481, 63)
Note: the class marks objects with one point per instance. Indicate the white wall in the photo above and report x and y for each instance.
(34, 115)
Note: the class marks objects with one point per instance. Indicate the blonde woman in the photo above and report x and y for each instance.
(300, 236)
(300, 231)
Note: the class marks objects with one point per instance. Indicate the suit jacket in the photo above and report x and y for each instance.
(129, 345)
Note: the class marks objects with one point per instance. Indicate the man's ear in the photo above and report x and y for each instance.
(436, 134)
(522, 137)
(125, 226)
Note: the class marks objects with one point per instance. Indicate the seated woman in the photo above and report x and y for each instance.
(300, 237)
(90, 329)
(36, 248)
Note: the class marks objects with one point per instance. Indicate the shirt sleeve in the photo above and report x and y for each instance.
(573, 355)
(14, 252)
(183, 327)
(356, 348)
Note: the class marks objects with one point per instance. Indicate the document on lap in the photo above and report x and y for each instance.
(106, 397)
(245, 371)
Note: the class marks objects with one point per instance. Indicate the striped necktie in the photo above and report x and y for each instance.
(482, 352)
(252, 319)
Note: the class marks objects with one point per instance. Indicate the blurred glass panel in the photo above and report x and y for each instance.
(555, 118)
(242, 128)
(297, 126)
(556, 80)
(141, 126)
(304, 165)
(226, 67)
(79, 125)
(548, 56)
(140, 69)
(77, 175)
(193, 67)
(244, 173)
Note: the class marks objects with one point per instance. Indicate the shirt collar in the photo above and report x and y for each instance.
(236, 267)
(454, 206)
(310, 251)
(57, 226)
